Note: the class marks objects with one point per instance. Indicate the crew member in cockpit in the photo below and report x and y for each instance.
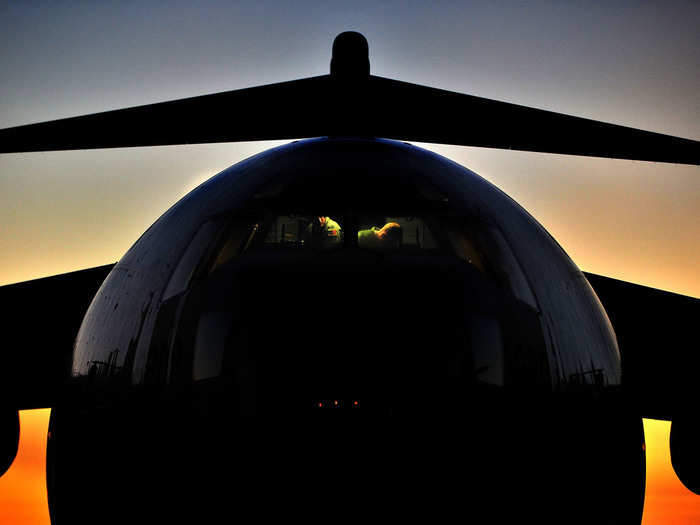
(384, 239)
(324, 233)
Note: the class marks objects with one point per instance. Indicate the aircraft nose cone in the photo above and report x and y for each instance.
(350, 55)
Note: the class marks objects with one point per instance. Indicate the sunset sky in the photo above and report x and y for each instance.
(634, 63)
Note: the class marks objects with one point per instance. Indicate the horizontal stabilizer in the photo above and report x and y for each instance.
(367, 106)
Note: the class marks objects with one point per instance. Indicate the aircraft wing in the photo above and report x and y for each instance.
(658, 339)
(41, 320)
(39, 323)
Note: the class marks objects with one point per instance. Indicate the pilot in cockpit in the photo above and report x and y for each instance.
(384, 239)
(324, 233)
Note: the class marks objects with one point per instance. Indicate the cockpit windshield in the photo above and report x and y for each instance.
(318, 232)
(378, 233)
(480, 246)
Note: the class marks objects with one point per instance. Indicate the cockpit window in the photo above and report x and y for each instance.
(415, 233)
(395, 234)
(484, 247)
(287, 230)
(480, 245)
(398, 218)
(191, 258)
(236, 240)
(319, 232)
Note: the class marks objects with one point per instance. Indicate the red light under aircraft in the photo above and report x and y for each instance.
(348, 326)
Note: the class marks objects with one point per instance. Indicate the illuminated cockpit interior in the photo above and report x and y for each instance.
(480, 246)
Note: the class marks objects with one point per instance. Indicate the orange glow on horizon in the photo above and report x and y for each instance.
(23, 499)
(667, 500)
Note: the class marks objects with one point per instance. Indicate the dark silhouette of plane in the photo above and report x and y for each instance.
(226, 366)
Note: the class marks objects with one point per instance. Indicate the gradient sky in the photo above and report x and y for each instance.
(632, 63)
